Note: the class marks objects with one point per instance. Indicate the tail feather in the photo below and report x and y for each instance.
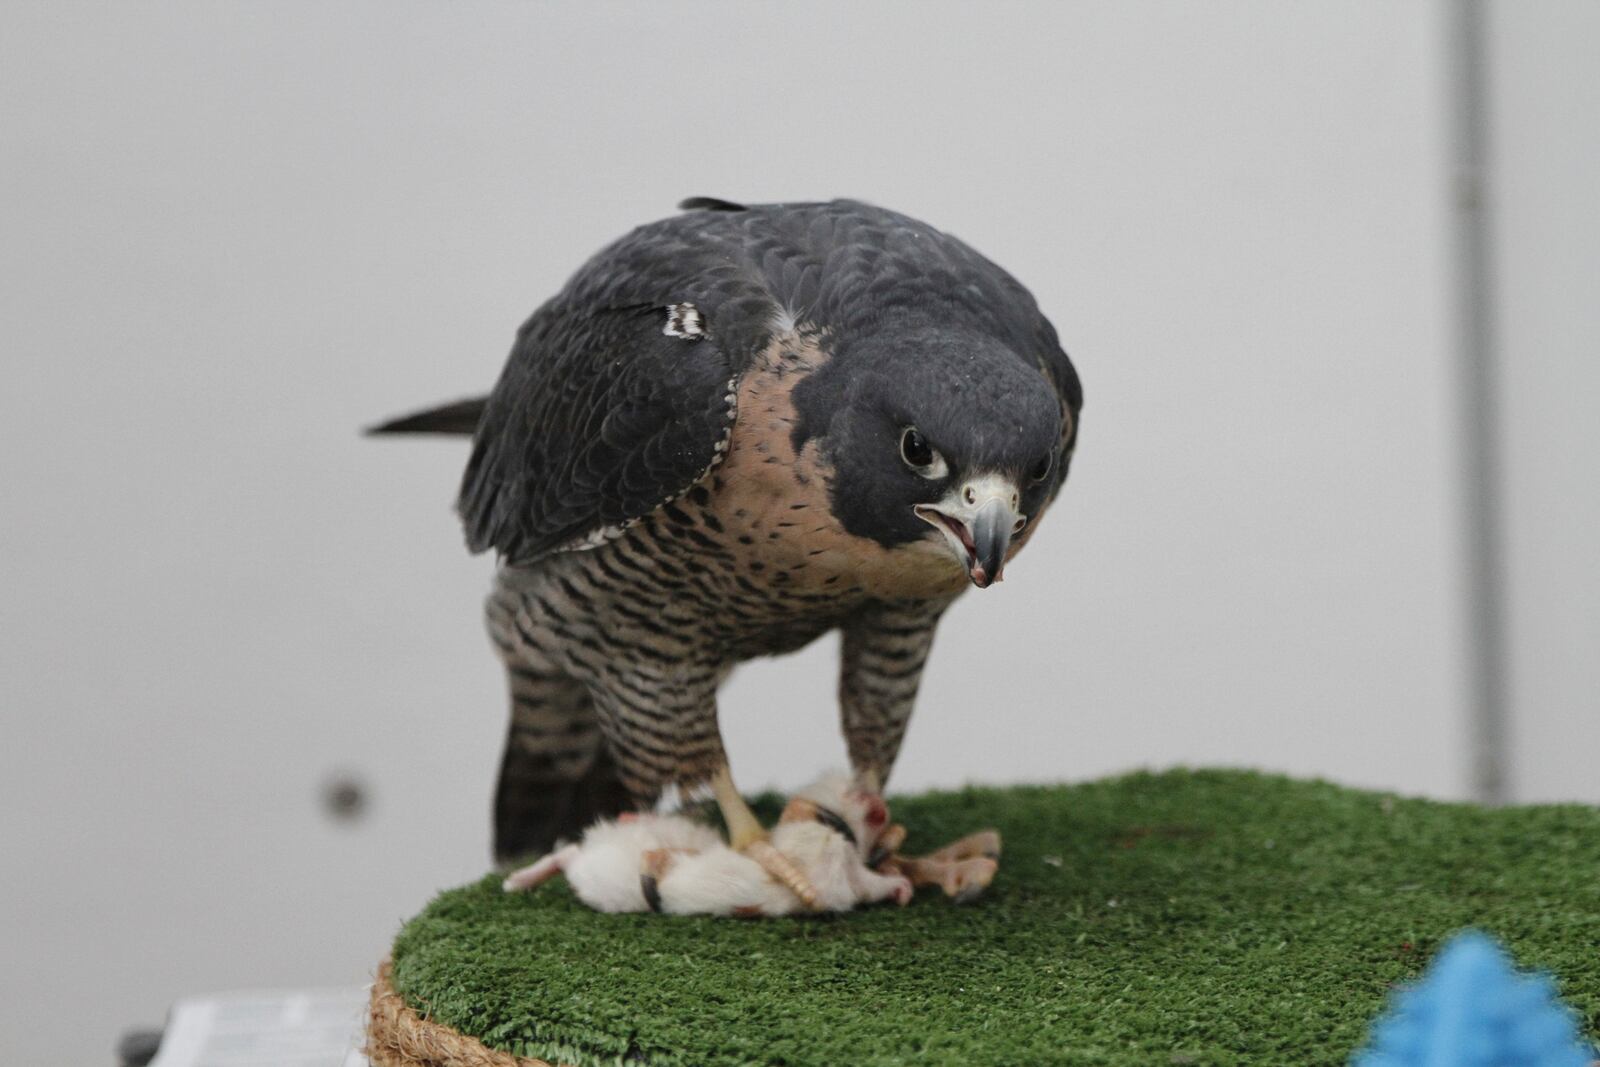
(709, 203)
(534, 809)
(460, 417)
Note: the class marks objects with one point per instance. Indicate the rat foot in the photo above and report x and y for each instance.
(983, 843)
(962, 869)
(961, 880)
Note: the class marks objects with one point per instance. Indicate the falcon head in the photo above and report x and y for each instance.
(941, 436)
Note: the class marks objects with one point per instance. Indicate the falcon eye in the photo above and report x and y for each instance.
(1041, 470)
(920, 456)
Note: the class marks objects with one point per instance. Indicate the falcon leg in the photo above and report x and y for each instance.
(885, 647)
(746, 834)
(744, 829)
(674, 738)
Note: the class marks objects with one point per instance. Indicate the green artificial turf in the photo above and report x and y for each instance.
(1190, 917)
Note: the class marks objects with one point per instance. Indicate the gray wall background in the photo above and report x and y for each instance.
(236, 233)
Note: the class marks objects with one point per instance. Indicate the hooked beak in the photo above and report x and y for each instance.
(978, 518)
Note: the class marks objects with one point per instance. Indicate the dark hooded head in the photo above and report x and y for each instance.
(933, 433)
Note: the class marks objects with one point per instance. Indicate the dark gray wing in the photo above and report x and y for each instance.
(617, 395)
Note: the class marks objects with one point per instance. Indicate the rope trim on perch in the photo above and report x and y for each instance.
(398, 1037)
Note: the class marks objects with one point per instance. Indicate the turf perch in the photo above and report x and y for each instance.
(1199, 917)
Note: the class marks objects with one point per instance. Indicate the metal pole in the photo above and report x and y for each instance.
(1479, 407)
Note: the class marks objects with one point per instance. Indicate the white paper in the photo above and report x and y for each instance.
(304, 1028)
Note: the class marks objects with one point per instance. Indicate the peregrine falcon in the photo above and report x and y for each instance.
(733, 431)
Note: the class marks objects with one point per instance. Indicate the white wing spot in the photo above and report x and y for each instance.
(685, 321)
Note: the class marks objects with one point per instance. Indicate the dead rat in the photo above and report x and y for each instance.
(672, 864)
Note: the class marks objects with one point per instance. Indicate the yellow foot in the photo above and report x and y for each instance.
(741, 838)
(747, 835)
(779, 867)
(744, 829)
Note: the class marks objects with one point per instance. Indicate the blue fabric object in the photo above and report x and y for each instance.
(1471, 1009)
